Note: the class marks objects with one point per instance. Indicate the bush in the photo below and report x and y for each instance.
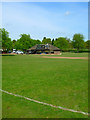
(76, 51)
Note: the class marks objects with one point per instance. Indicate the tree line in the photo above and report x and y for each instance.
(25, 42)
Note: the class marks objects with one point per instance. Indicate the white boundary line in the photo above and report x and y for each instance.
(62, 108)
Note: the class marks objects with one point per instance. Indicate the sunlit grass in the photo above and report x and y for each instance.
(61, 82)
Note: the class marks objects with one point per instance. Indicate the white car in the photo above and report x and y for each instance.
(19, 52)
(14, 51)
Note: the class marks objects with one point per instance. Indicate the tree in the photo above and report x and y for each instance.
(6, 41)
(17, 45)
(61, 43)
(38, 42)
(9, 44)
(69, 43)
(34, 42)
(87, 44)
(13, 43)
(78, 41)
(52, 41)
(46, 40)
(24, 42)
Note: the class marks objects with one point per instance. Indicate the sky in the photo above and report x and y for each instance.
(45, 19)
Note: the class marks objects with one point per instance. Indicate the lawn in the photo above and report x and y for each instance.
(61, 82)
(71, 54)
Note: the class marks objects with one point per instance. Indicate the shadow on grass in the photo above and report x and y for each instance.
(6, 55)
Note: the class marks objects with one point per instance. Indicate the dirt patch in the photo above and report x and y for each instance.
(67, 57)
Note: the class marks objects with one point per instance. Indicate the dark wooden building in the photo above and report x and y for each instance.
(43, 48)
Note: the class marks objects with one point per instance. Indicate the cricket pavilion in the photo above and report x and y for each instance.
(44, 49)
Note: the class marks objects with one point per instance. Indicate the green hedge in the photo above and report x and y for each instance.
(76, 51)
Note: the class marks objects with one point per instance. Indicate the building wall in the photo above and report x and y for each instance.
(57, 52)
(43, 51)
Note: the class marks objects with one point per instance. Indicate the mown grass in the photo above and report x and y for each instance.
(61, 82)
(70, 54)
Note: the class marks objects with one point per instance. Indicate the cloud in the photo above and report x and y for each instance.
(41, 19)
(67, 13)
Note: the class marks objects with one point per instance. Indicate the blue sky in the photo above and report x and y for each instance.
(45, 19)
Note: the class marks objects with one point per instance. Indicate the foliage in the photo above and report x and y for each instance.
(6, 41)
(34, 42)
(87, 44)
(61, 43)
(13, 43)
(69, 43)
(76, 51)
(46, 40)
(52, 41)
(78, 41)
(25, 42)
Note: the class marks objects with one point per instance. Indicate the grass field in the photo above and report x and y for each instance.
(61, 82)
(70, 54)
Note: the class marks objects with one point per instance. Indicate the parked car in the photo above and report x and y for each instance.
(19, 52)
(14, 52)
(9, 51)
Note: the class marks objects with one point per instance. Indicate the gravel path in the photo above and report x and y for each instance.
(67, 57)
